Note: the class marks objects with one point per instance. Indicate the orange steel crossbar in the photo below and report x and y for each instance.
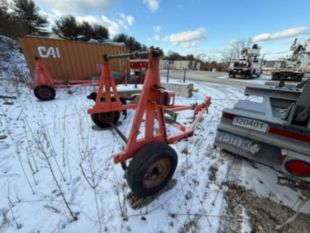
(43, 76)
(107, 82)
(152, 104)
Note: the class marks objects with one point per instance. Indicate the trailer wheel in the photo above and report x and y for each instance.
(151, 169)
(275, 77)
(298, 78)
(289, 77)
(44, 92)
(231, 76)
(105, 119)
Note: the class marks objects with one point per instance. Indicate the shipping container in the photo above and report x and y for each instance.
(72, 60)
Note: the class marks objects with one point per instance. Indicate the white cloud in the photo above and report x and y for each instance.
(187, 39)
(77, 7)
(281, 34)
(156, 38)
(157, 28)
(50, 17)
(187, 45)
(90, 19)
(115, 25)
(130, 19)
(153, 5)
(123, 19)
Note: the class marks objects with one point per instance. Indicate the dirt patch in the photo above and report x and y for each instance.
(212, 173)
(190, 226)
(264, 214)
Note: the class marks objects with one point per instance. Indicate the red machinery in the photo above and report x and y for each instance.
(44, 84)
(153, 162)
(138, 64)
(137, 70)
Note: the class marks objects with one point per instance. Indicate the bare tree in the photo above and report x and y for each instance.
(236, 48)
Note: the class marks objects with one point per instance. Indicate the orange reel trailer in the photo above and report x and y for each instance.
(153, 161)
(44, 84)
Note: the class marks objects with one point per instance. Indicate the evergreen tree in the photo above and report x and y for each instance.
(120, 38)
(3, 7)
(190, 57)
(100, 31)
(27, 12)
(68, 28)
(85, 31)
(10, 25)
(3, 17)
(130, 42)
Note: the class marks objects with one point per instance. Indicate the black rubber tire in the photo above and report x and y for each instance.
(275, 77)
(44, 92)
(298, 78)
(289, 77)
(103, 124)
(231, 76)
(149, 155)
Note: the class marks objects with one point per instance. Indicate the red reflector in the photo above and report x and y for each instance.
(289, 134)
(298, 168)
(228, 115)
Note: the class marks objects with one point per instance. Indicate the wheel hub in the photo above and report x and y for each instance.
(45, 93)
(157, 173)
(107, 117)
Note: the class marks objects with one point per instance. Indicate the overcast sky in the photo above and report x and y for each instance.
(194, 26)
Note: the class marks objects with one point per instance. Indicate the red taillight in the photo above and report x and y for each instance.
(289, 134)
(298, 168)
(228, 115)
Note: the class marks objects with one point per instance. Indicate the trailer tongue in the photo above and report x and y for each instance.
(274, 132)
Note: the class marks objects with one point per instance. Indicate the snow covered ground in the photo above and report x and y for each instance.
(261, 80)
(52, 153)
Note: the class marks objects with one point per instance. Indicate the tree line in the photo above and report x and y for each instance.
(22, 17)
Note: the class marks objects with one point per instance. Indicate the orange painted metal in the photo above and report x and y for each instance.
(71, 60)
(154, 100)
(106, 82)
(43, 76)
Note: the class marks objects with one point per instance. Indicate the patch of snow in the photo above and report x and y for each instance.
(246, 228)
(12, 63)
(81, 159)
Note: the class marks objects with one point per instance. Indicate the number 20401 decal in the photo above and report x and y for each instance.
(250, 124)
